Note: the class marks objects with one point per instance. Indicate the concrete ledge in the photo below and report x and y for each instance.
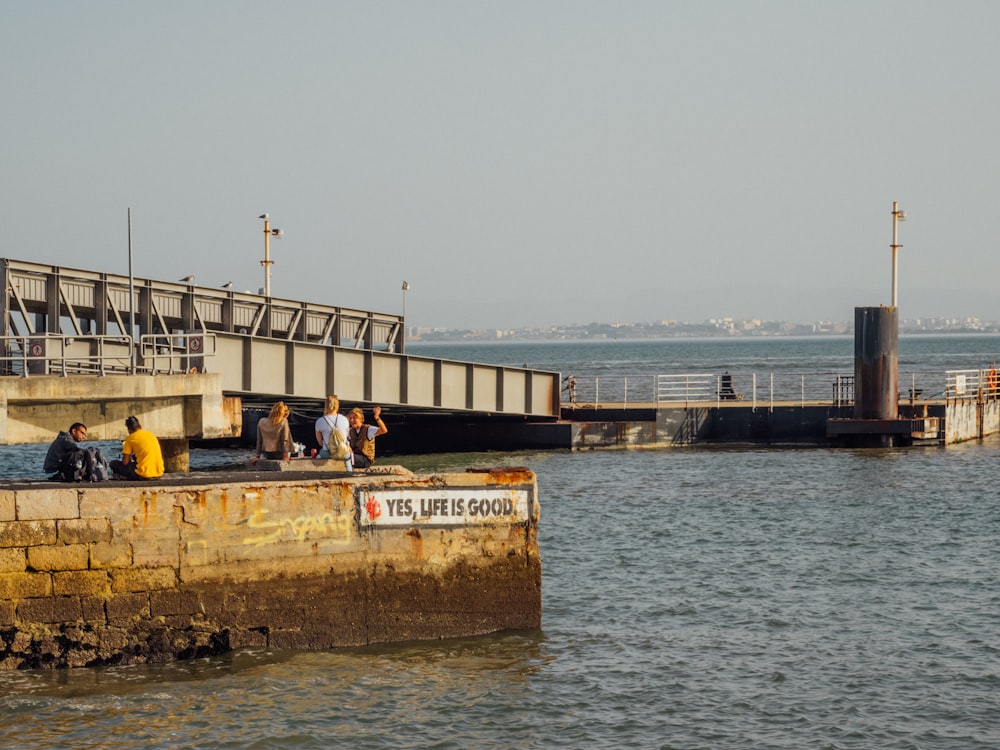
(283, 559)
(327, 466)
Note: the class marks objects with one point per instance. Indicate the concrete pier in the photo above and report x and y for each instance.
(131, 572)
(175, 408)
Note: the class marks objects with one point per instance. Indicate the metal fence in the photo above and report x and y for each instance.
(763, 389)
(971, 384)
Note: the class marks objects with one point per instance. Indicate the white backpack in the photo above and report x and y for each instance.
(337, 445)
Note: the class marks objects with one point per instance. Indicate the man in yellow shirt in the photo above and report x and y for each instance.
(141, 455)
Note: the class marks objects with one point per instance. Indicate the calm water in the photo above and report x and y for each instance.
(692, 598)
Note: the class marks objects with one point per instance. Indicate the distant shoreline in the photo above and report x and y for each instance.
(521, 336)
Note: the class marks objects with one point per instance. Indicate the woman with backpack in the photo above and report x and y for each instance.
(330, 421)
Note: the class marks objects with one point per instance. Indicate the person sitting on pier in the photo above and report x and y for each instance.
(330, 420)
(62, 454)
(141, 454)
(274, 436)
(361, 436)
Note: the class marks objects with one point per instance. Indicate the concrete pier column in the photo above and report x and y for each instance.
(176, 456)
(876, 362)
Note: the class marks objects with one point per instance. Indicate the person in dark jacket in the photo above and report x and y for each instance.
(62, 454)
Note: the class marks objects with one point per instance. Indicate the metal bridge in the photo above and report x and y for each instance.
(64, 321)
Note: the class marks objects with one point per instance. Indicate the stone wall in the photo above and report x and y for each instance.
(125, 572)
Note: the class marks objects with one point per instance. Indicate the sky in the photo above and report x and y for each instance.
(519, 163)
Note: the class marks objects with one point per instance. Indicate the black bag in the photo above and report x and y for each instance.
(95, 466)
(71, 469)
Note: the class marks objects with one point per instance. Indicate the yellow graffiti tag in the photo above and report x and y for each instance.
(328, 525)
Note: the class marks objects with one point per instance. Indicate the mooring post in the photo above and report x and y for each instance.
(176, 456)
(876, 362)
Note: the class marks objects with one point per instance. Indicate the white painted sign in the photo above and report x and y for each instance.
(451, 506)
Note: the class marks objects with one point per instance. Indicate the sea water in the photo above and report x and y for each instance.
(692, 598)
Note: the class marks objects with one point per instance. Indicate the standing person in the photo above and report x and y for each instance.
(274, 436)
(61, 457)
(330, 421)
(141, 454)
(570, 382)
(361, 436)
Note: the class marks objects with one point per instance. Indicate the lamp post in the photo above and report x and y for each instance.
(402, 335)
(268, 233)
(898, 215)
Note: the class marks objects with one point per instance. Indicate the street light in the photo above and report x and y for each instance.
(898, 215)
(268, 233)
(402, 337)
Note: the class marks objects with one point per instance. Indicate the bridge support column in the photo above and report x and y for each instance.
(176, 456)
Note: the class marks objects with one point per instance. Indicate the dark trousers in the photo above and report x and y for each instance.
(123, 470)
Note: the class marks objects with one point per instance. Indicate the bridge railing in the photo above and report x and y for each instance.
(64, 355)
(54, 354)
(55, 300)
(176, 352)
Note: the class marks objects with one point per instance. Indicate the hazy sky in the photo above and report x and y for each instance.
(519, 163)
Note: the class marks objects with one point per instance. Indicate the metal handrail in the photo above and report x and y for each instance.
(180, 350)
(767, 390)
(44, 354)
(59, 354)
(981, 385)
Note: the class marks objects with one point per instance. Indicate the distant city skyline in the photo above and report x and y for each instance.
(722, 326)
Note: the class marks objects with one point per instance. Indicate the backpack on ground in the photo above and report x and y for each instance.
(337, 445)
(95, 466)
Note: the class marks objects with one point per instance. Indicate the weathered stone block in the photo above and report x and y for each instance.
(163, 603)
(93, 608)
(113, 641)
(6, 613)
(7, 505)
(178, 622)
(54, 502)
(117, 554)
(145, 509)
(143, 579)
(156, 548)
(27, 533)
(12, 560)
(126, 608)
(59, 557)
(83, 530)
(81, 583)
(239, 638)
(50, 609)
(25, 585)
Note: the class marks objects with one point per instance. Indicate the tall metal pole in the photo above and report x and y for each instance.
(267, 257)
(402, 333)
(131, 300)
(897, 216)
